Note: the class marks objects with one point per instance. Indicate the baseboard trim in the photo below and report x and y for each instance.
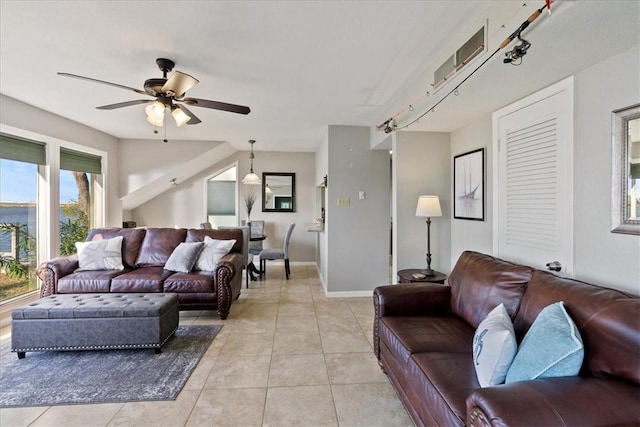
(349, 294)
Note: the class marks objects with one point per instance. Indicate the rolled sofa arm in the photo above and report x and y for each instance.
(53, 270)
(562, 401)
(228, 281)
(416, 299)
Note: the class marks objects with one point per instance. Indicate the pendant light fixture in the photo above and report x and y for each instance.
(251, 178)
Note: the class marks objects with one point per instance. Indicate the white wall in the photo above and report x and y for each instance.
(422, 167)
(184, 205)
(143, 160)
(322, 169)
(358, 234)
(608, 258)
(601, 257)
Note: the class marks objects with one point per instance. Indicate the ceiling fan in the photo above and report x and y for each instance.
(168, 93)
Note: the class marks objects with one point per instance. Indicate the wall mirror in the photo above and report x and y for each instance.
(625, 178)
(278, 192)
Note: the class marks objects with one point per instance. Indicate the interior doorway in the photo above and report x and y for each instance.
(222, 198)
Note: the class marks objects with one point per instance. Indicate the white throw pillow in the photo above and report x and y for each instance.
(494, 347)
(100, 254)
(212, 252)
(184, 257)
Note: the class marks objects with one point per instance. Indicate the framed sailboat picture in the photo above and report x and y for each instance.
(468, 185)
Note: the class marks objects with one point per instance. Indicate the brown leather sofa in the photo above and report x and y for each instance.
(423, 337)
(144, 254)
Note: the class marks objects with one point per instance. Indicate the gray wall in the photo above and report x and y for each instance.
(601, 257)
(421, 167)
(184, 205)
(358, 234)
(465, 234)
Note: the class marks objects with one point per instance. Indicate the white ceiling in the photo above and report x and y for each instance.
(299, 65)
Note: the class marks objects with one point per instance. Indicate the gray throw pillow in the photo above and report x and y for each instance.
(184, 257)
(100, 254)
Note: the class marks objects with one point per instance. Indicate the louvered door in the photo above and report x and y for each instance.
(533, 186)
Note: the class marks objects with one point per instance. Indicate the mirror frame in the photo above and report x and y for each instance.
(620, 170)
(265, 176)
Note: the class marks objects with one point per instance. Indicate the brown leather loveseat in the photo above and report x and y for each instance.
(423, 338)
(144, 255)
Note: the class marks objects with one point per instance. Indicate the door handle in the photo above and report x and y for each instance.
(554, 266)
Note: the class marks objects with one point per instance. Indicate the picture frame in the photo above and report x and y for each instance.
(469, 185)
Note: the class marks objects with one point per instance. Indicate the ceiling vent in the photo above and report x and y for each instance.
(469, 50)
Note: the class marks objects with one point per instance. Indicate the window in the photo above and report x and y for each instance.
(30, 230)
(19, 177)
(77, 211)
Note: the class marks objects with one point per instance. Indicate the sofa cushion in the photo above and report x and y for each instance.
(606, 318)
(158, 245)
(438, 385)
(143, 280)
(184, 257)
(131, 241)
(406, 335)
(100, 254)
(212, 252)
(494, 347)
(480, 282)
(193, 282)
(88, 281)
(551, 348)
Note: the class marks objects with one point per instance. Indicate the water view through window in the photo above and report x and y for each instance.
(18, 227)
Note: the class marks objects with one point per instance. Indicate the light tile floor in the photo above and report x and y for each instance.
(287, 356)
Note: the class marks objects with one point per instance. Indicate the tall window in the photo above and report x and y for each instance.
(19, 160)
(77, 208)
(29, 230)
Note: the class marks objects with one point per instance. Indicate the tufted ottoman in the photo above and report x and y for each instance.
(94, 322)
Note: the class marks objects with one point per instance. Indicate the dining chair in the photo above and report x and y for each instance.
(257, 230)
(206, 225)
(273, 254)
(247, 258)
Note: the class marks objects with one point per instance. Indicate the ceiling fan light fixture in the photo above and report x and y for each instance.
(155, 111)
(180, 117)
(156, 122)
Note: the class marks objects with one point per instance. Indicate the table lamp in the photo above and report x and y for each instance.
(428, 206)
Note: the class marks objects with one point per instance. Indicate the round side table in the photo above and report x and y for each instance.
(406, 276)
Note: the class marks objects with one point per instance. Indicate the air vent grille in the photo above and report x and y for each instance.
(469, 50)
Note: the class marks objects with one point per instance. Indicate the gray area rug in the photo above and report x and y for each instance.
(71, 377)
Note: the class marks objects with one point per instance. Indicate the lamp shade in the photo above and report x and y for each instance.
(428, 206)
(251, 179)
(179, 116)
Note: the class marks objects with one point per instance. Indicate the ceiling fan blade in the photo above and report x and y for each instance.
(204, 103)
(194, 119)
(75, 76)
(179, 83)
(124, 104)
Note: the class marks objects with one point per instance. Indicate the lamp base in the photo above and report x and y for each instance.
(429, 272)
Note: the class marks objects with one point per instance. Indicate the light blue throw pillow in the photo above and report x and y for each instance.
(551, 348)
(184, 257)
